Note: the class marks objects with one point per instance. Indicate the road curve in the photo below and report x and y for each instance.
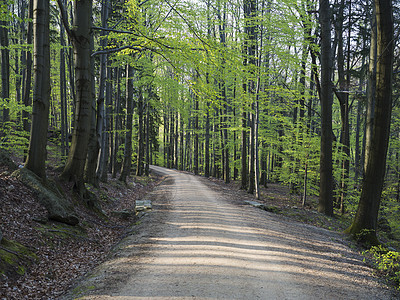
(197, 244)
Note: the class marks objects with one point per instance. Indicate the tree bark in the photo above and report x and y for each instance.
(104, 155)
(250, 15)
(117, 126)
(36, 159)
(325, 204)
(27, 77)
(365, 222)
(196, 135)
(371, 89)
(5, 67)
(80, 36)
(127, 161)
(63, 96)
(140, 136)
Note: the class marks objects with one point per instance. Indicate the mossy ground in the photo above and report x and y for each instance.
(59, 231)
(15, 258)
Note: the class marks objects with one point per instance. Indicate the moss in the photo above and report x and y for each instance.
(15, 258)
(49, 196)
(63, 231)
(364, 237)
(272, 209)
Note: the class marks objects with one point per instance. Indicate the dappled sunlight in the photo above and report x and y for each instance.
(210, 249)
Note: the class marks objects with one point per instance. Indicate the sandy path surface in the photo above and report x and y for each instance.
(198, 243)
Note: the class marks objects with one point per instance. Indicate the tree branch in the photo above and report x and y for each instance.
(187, 23)
(114, 30)
(64, 19)
(113, 50)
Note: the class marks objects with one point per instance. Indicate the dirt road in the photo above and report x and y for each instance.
(198, 243)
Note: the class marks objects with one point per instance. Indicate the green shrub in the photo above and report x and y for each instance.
(387, 262)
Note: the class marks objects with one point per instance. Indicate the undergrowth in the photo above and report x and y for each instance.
(386, 261)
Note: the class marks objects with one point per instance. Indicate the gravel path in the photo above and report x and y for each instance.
(199, 243)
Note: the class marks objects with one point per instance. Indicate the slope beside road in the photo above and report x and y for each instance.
(197, 243)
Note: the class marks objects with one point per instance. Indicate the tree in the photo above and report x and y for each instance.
(127, 161)
(98, 117)
(27, 80)
(365, 222)
(80, 37)
(36, 158)
(325, 204)
(5, 63)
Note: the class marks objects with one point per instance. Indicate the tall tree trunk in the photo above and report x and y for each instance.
(343, 97)
(36, 158)
(325, 204)
(127, 161)
(176, 162)
(250, 15)
(196, 135)
(357, 159)
(5, 66)
(371, 89)
(244, 156)
(27, 77)
(182, 143)
(140, 150)
(63, 96)
(91, 160)
(117, 128)
(147, 137)
(365, 221)
(102, 166)
(81, 41)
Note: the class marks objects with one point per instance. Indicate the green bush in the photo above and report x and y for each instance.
(387, 262)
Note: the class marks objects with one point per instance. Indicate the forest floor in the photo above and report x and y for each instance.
(63, 254)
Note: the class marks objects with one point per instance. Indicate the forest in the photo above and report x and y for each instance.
(298, 92)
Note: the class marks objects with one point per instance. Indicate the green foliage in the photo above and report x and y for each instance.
(14, 139)
(387, 262)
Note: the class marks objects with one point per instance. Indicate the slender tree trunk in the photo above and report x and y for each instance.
(176, 163)
(172, 134)
(148, 146)
(244, 169)
(325, 204)
(5, 66)
(182, 144)
(371, 89)
(36, 158)
(343, 98)
(250, 15)
(91, 160)
(357, 159)
(63, 96)
(196, 136)
(127, 161)
(97, 119)
(140, 150)
(244, 158)
(117, 128)
(102, 166)
(27, 81)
